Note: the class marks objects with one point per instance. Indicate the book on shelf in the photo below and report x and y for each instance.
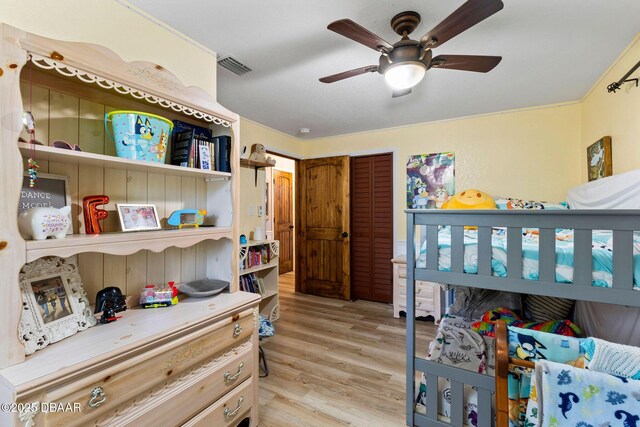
(186, 142)
(252, 283)
(223, 153)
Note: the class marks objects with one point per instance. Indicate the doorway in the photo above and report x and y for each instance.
(371, 182)
(281, 209)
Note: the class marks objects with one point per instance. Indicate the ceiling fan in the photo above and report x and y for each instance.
(404, 63)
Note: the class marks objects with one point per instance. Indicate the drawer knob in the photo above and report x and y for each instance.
(98, 397)
(419, 303)
(229, 377)
(419, 290)
(237, 330)
(228, 413)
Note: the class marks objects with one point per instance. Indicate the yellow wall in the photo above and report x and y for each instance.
(275, 141)
(616, 115)
(252, 198)
(119, 27)
(528, 153)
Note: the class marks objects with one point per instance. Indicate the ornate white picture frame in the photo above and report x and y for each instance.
(55, 305)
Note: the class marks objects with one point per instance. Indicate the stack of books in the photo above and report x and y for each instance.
(257, 255)
(252, 283)
(195, 147)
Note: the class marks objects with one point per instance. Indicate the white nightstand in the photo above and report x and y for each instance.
(427, 293)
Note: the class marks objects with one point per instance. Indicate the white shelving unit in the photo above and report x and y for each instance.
(158, 366)
(268, 272)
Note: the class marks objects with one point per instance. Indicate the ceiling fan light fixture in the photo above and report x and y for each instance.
(405, 75)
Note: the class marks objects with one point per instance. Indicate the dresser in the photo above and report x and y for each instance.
(202, 371)
(427, 293)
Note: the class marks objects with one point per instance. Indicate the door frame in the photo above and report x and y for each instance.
(296, 206)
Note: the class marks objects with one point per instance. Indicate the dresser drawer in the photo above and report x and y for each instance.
(227, 411)
(423, 289)
(149, 376)
(402, 270)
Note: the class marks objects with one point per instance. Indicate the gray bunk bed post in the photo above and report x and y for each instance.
(411, 331)
(623, 223)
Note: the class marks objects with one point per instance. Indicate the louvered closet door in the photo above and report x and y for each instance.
(372, 228)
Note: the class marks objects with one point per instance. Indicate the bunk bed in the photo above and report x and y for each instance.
(424, 262)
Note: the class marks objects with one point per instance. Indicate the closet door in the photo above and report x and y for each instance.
(372, 227)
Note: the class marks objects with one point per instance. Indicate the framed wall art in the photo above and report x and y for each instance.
(55, 305)
(430, 180)
(599, 159)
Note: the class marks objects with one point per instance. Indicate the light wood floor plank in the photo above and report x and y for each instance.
(335, 363)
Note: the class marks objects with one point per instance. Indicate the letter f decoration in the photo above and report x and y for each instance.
(92, 214)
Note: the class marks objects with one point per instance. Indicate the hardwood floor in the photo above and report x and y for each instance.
(335, 363)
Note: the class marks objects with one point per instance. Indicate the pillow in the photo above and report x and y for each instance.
(472, 303)
(542, 309)
(519, 204)
(470, 199)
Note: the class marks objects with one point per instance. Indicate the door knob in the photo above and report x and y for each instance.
(345, 234)
(291, 227)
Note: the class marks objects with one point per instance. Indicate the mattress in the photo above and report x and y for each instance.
(602, 253)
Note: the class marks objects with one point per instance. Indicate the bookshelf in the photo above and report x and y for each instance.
(259, 274)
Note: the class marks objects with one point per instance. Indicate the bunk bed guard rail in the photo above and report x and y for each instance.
(426, 223)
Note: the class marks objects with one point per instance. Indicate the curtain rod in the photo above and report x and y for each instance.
(613, 87)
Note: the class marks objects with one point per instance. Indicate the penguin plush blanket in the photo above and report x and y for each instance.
(569, 396)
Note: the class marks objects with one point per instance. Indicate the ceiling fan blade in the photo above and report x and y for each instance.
(477, 63)
(350, 73)
(353, 31)
(397, 93)
(465, 17)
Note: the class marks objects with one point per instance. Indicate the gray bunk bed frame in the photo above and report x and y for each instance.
(622, 222)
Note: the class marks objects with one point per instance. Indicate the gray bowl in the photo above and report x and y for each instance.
(203, 288)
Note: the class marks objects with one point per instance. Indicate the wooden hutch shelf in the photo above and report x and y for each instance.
(54, 154)
(124, 243)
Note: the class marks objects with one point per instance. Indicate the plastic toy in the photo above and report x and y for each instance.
(243, 239)
(110, 301)
(187, 218)
(470, 199)
(40, 223)
(153, 296)
(93, 215)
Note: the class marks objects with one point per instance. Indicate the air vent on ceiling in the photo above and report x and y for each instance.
(233, 65)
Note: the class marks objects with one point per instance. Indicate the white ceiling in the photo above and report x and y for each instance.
(553, 51)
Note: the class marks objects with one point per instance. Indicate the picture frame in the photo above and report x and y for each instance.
(599, 163)
(55, 305)
(138, 217)
(50, 191)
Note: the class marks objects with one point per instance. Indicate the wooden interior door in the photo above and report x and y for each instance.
(372, 227)
(323, 228)
(283, 218)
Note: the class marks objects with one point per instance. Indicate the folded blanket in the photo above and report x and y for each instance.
(487, 324)
(569, 396)
(611, 358)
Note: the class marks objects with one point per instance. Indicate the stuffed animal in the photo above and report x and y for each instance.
(258, 153)
(470, 199)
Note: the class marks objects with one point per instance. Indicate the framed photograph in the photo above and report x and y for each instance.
(137, 217)
(55, 305)
(51, 191)
(599, 159)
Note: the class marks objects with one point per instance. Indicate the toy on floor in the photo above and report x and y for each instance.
(110, 301)
(187, 218)
(153, 296)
